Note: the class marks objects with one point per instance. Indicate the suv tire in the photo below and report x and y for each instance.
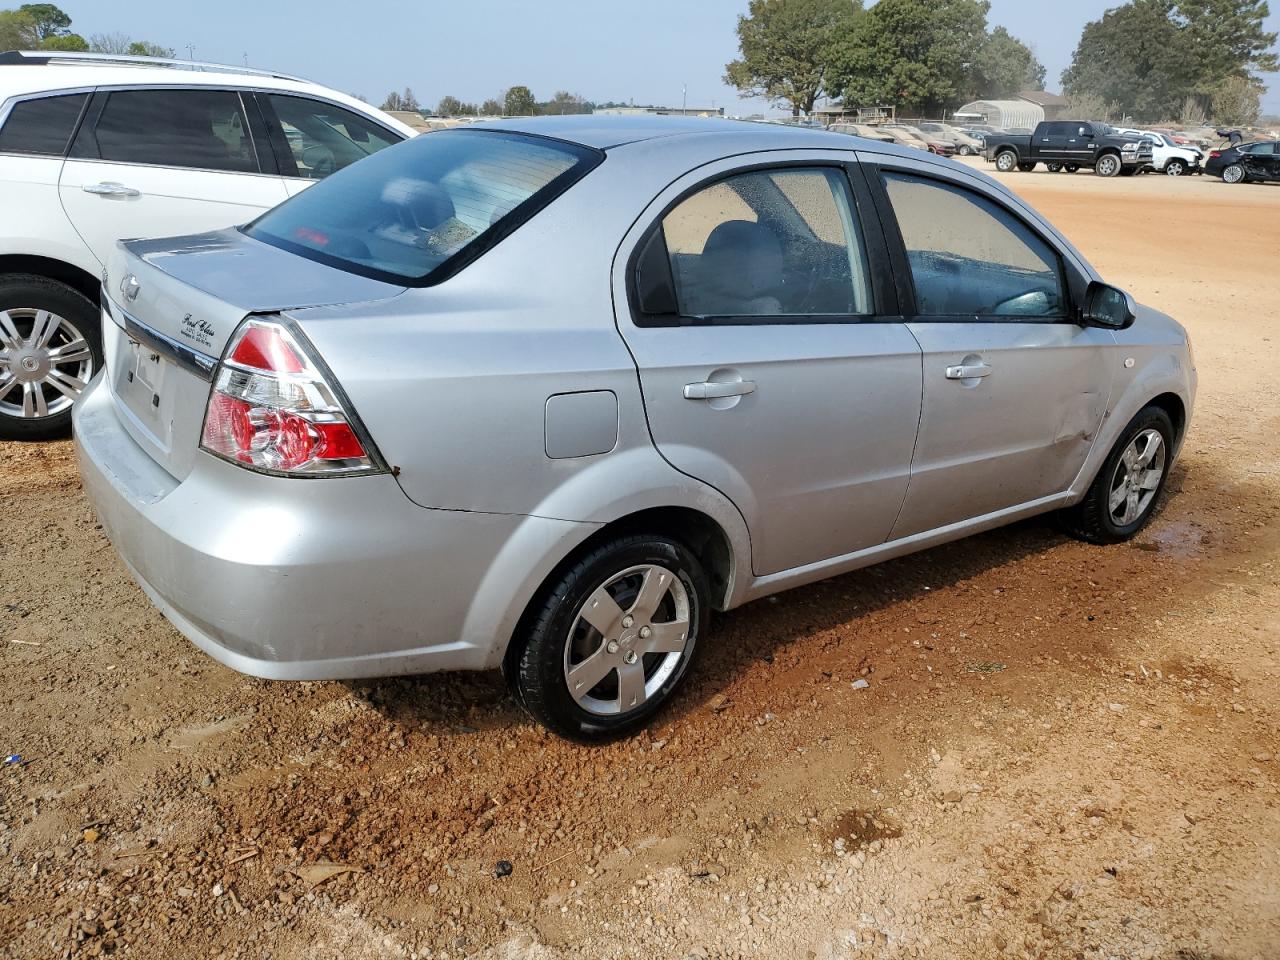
(1124, 494)
(631, 588)
(50, 347)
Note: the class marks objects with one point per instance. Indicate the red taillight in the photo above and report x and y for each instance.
(1215, 154)
(273, 409)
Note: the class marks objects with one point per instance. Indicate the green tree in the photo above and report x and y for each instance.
(919, 55)
(1005, 66)
(50, 21)
(785, 47)
(519, 102)
(145, 48)
(18, 31)
(66, 41)
(1237, 101)
(563, 103)
(1226, 38)
(491, 108)
(449, 107)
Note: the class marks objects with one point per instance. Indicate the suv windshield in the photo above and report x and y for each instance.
(417, 212)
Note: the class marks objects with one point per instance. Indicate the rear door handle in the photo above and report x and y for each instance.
(718, 389)
(971, 371)
(111, 189)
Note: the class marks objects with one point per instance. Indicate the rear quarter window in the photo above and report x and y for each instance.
(417, 212)
(42, 126)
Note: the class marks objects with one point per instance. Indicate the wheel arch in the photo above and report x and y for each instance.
(78, 279)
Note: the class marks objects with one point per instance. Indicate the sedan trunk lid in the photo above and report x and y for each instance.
(173, 304)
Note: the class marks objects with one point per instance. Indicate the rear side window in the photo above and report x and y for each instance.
(971, 257)
(198, 129)
(418, 212)
(323, 138)
(42, 126)
(771, 243)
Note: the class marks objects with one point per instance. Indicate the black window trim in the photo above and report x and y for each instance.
(884, 297)
(1074, 282)
(518, 216)
(6, 110)
(278, 143)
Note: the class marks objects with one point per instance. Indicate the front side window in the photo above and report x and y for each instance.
(198, 129)
(42, 126)
(775, 243)
(324, 138)
(405, 213)
(970, 256)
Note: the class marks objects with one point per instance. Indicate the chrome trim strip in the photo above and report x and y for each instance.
(200, 364)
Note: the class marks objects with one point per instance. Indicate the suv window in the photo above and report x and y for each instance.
(969, 256)
(432, 203)
(42, 126)
(780, 243)
(323, 138)
(200, 129)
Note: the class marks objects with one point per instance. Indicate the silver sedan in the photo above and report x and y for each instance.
(541, 395)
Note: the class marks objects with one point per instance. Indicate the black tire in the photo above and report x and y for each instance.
(1091, 520)
(1071, 168)
(1234, 173)
(1175, 168)
(967, 151)
(1006, 161)
(1108, 165)
(1026, 167)
(1129, 171)
(1053, 167)
(538, 666)
(20, 292)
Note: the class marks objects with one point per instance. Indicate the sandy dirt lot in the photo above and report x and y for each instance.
(1064, 751)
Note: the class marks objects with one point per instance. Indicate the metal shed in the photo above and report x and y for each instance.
(1002, 114)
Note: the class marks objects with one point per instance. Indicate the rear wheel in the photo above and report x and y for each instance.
(50, 347)
(1108, 165)
(1071, 167)
(1233, 174)
(1026, 167)
(1006, 160)
(1053, 167)
(613, 638)
(1123, 496)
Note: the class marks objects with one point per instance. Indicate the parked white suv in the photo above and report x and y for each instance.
(1168, 157)
(95, 149)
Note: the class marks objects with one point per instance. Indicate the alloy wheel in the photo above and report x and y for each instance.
(1233, 173)
(1137, 477)
(45, 363)
(1108, 166)
(627, 640)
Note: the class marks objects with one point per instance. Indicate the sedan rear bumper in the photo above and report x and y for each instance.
(305, 579)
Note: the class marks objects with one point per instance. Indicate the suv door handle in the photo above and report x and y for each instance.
(111, 189)
(971, 371)
(718, 389)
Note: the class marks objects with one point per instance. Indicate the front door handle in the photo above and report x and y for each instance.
(718, 389)
(972, 371)
(110, 189)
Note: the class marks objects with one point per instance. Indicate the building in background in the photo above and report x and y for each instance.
(1024, 111)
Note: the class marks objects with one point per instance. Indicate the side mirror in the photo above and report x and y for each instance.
(1109, 307)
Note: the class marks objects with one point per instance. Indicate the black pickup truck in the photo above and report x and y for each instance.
(1069, 145)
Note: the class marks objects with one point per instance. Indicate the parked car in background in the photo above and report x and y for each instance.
(902, 137)
(364, 436)
(1257, 161)
(1166, 155)
(1070, 145)
(934, 144)
(94, 148)
(862, 130)
(965, 145)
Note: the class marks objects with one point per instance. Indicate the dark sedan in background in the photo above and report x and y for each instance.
(1259, 160)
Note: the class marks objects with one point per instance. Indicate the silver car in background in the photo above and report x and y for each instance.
(541, 395)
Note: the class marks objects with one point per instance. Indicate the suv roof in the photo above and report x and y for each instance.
(27, 72)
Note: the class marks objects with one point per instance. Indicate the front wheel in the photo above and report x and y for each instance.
(50, 347)
(1175, 168)
(1108, 165)
(1006, 161)
(612, 639)
(966, 151)
(1123, 495)
(1233, 174)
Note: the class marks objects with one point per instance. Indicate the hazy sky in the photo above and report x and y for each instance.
(475, 48)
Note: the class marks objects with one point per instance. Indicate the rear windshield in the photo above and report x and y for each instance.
(419, 211)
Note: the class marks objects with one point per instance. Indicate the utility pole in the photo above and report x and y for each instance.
(246, 58)
(684, 99)
(191, 51)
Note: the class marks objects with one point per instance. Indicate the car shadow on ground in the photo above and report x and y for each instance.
(453, 703)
